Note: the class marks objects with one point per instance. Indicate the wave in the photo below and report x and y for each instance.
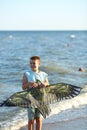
(70, 75)
(55, 69)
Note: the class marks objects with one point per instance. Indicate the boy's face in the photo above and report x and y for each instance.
(34, 64)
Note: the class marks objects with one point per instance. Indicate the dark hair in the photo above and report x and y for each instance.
(35, 58)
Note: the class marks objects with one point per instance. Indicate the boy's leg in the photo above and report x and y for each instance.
(31, 114)
(31, 125)
(38, 118)
(38, 123)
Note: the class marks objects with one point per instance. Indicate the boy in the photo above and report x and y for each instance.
(29, 80)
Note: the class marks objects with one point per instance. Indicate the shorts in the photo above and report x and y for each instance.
(33, 113)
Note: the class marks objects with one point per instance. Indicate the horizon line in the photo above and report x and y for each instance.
(48, 30)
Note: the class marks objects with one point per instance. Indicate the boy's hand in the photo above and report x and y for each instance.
(42, 85)
(34, 84)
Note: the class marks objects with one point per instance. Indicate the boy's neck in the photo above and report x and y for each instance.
(36, 71)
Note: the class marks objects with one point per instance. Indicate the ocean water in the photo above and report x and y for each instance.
(61, 52)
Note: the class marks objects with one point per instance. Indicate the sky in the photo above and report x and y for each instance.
(43, 14)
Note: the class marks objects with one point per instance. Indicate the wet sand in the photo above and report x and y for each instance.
(77, 124)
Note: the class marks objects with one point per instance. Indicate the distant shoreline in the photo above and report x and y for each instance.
(42, 30)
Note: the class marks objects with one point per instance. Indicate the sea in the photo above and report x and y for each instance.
(62, 53)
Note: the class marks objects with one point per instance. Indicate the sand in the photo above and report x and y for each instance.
(77, 124)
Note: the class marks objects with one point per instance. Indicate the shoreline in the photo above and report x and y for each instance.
(76, 124)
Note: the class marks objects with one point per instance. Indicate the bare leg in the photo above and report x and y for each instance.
(31, 125)
(38, 123)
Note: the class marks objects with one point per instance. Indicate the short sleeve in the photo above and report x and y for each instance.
(27, 74)
(45, 76)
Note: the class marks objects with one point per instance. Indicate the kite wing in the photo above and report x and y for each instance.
(22, 99)
(41, 97)
(61, 91)
(26, 99)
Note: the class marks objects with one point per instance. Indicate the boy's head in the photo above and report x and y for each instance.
(34, 63)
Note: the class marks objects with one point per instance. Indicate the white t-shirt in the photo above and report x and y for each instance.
(33, 76)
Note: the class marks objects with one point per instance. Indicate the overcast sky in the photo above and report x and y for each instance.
(43, 14)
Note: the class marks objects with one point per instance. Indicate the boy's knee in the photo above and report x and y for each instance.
(31, 121)
(38, 119)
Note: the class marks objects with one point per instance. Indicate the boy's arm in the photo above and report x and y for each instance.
(26, 84)
(45, 83)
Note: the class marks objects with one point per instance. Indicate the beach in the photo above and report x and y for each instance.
(77, 124)
(59, 61)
